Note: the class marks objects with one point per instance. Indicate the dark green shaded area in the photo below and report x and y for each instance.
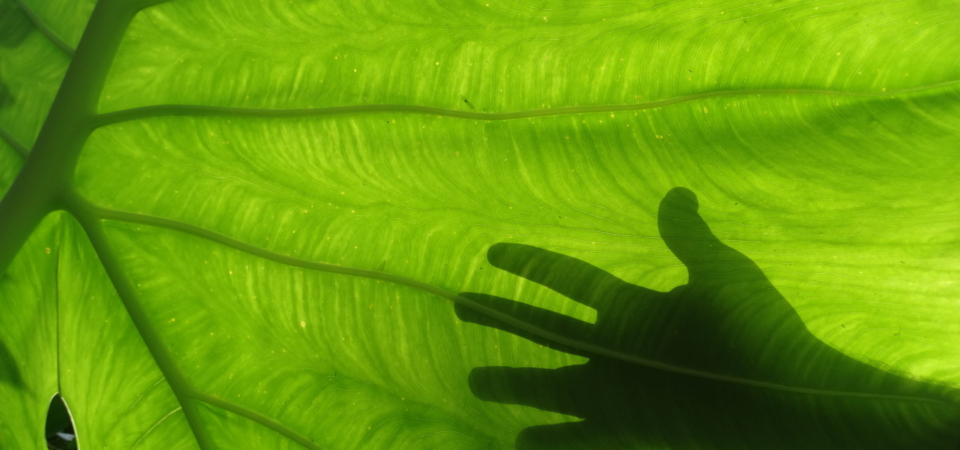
(15, 25)
(9, 370)
(729, 320)
(6, 97)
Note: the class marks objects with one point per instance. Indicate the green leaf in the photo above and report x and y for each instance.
(494, 224)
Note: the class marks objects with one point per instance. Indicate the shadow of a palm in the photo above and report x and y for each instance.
(765, 381)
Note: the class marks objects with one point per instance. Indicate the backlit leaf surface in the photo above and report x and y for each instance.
(366, 225)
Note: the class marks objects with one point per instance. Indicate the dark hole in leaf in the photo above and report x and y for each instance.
(59, 429)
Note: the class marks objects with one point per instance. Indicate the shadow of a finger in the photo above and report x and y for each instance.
(571, 277)
(557, 436)
(553, 390)
(630, 407)
(538, 317)
(689, 238)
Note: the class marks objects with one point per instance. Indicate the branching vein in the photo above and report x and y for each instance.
(258, 418)
(46, 30)
(135, 444)
(14, 143)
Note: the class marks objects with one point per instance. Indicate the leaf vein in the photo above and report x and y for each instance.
(46, 30)
(14, 143)
(145, 112)
(110, 214)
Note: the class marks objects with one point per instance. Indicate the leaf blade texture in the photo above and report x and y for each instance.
(329, 225)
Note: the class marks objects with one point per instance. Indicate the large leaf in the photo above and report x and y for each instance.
(494, 224)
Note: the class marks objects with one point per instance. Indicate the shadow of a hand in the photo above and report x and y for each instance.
(755, 377)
